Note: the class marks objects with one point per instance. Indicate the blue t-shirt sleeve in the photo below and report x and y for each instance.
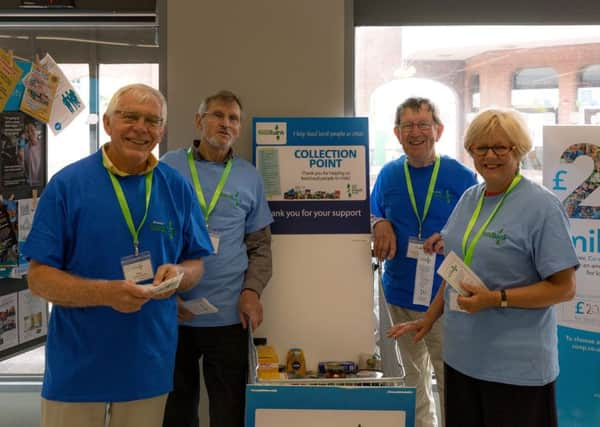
(47, 241)
(553, 247)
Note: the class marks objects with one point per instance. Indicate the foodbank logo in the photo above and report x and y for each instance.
(276, 132)
(499, 236)
(445, 195)
(271, 133)
(165, 228)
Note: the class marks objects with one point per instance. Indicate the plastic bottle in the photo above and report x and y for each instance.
(296, 365)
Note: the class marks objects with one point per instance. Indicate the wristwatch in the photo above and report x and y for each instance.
(503, 300)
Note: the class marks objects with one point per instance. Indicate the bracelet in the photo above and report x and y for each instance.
(503, 299)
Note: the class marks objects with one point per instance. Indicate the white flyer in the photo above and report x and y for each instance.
(424, 278)
(199, 306)
(454, 271)
(67, 103)
(167, 285)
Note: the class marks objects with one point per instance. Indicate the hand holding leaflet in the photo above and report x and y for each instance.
(167, 285)
(454, 271)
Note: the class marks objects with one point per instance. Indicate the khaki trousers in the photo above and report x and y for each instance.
(418, 360)
(144, 412)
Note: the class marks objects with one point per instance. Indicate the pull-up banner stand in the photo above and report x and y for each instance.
(572, 172)
(320, 297)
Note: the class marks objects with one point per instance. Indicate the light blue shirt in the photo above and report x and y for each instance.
(241, 209)
(527, 241)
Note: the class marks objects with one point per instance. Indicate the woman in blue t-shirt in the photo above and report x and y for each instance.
(500, 344)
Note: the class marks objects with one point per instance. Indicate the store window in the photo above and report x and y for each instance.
(539, 70)
(475, 93)
(588, 94)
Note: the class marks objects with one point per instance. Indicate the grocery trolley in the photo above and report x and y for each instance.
(330, 402)
(391, 358)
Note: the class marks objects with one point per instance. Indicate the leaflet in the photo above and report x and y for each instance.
(454, 271)
(167, 285)
(199, 306)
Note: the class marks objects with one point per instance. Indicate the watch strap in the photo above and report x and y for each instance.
(503, 299)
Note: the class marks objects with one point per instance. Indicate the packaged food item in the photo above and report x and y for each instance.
(296, 365)
(268, 362)
(336, 369)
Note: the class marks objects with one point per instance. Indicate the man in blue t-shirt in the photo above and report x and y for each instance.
(107, 230)
(231, 195)
(410, 202)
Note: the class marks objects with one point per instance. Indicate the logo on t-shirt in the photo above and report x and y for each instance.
(499, 236)
(234, 197)
(445, 195)
(163, 228)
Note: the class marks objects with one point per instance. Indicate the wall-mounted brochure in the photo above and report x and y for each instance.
(33, 316)
(67, 103)
(315, 172)
(572, 172)
(22, 155)
(10, 75)
(8, 321)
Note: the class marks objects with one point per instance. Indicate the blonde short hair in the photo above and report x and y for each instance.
(509, 122)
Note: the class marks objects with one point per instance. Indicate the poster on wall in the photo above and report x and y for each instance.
(8, 321)
(327, 406)
(14, 101)
(315, 173)
(10, 75)
(572, 172)
(33, 316)
(25, 212)
(67, 103)
(40, 88)
(22, 155)
(9, 228)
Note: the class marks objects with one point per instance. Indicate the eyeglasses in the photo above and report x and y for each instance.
(408, 126)
(220, 116)
(498, 150)
(133, 117)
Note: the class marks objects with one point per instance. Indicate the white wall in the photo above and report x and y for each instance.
(283, 57)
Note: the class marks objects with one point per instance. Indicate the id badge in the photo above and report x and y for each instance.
(137, 267)
(415, 245)
(424, 278)
(214, 239)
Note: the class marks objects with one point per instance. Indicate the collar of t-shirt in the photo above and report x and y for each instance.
(198, 156)
(108, 164)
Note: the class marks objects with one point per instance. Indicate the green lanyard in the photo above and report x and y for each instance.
(468, 252)
(135, 232)
(411, 192)
(217, 194)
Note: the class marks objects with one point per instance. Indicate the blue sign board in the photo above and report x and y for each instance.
(315, 172)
